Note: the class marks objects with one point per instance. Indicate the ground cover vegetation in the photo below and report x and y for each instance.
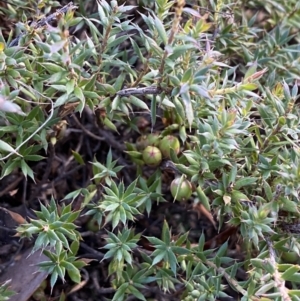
(150, 149)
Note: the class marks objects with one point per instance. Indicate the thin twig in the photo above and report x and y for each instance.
(94, 253)
(86, 130)
(9, 230)
(140, 91)
(230, 280)
(111, 142)
(280, 283)
(44, 21)
(65, 175)
(82, 283)
(11, 186)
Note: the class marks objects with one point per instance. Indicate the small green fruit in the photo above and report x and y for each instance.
(184, 191)
(153, 139)
(92, 225)
(141, 143)
(167, 143)
(152, 156)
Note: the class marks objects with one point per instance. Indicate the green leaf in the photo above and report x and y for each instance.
(53, 280)
(161, 30)
(120, 293)
(265, 288)
(109, 124)
(171, 258)
(137, 102)
(7, 148)
(137, 50)
(289, 206)
(70, 86)
(26, 170)
(203, 198)
(119, 82)
(200, 91)
(74, 247)
(78, 157)
(294, 292)
(166, 233)
(248, 87)
(187, 75)
(34, 157)
(238, 196)
(289, 273)
(245, 181)
(52, 68)
(251, 70)
(60, 88)
(61, 100)
(107, 89)
(79, 94)
(187, 105)
(179, 50)
(159, 256)
(137, 293)
(73, 273)
(222, 250)
(267, 190)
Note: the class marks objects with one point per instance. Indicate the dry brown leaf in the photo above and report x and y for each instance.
(15, 216)
(200, 209)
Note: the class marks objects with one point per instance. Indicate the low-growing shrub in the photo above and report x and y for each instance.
(217, 82)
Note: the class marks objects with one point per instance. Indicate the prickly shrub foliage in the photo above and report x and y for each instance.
(223, 77)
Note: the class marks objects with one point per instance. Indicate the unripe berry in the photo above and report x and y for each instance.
(92, 225)
(153, 139)
(184, 191)
(146, 140)
(141, 143)
(167, 143)
(152, 156)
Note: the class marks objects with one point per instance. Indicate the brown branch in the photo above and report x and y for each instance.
(280, 283)
(139, 91)
(11, 186)
(44, 21)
